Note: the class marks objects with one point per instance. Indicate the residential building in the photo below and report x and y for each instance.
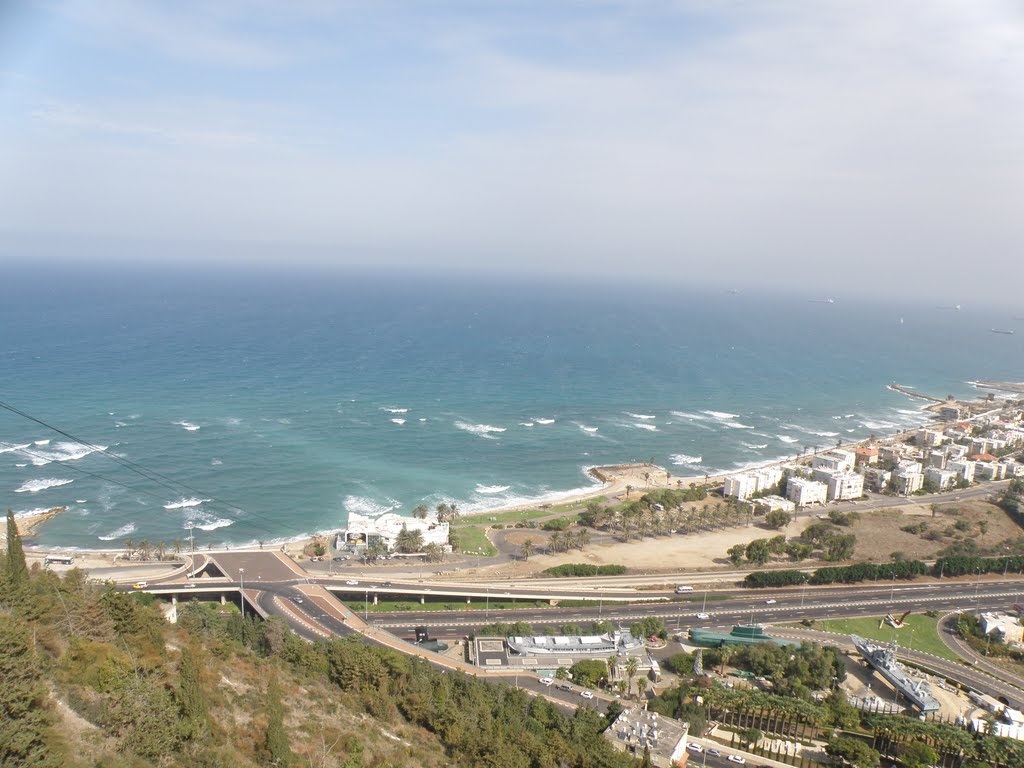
(930, 438)
(739, 486)
(909, 482)
(964, 469)
(893, 452)
(876, 479)
(937, 459)
(866, 456)
(956, 451)
(990, 470)
(845, 485)
(766, 504)
(951, 412)
(835, 461)
(906, 465)
(944, 479)
(803, 492)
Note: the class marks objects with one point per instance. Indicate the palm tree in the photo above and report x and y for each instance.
(583, 538)
(129, 548)
(641, 686)
(613, 667)
(433, 553)
(161, 549)
(420, 511)
(178, 545)
(632, 665)
(442, 512)
(144, 549)
(647, 478)
(453, 510)
(526, 549)
(629, 490)
(555, 542)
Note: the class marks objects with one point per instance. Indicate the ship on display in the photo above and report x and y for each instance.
(883, 659)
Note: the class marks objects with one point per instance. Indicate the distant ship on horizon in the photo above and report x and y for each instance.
(954, 307)
(1005, 332)
(829, 300)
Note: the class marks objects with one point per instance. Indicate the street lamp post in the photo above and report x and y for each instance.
(366, 606)
(241, 591)
(191, 540)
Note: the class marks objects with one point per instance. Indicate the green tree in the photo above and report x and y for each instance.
(526, 549)
(434, 553)
(191, 699)
(840, 547)
(736, 553)
(852, 752)
(276, 750)
(589, 672)
(16, 569)
(408, 541)
(24, 717)
(777, 518)
(758, 551)
(917, 754)
(421, 511)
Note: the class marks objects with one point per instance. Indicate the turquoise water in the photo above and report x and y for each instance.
(273, 404)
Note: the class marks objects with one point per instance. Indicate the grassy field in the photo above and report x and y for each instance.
(918, 633)
(503, 517)
(473, 541)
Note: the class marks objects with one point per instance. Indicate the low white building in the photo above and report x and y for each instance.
(739, 486)
(1002, 626)
(837, 460)
(909, 483)
(929, 438)
(803, 492)
(845, 485)
(363, 531)
(766, 504)
(943, 478)
(964, 469)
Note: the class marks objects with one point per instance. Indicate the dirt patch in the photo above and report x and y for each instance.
(881, 533)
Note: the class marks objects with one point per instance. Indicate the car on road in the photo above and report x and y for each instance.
(190, 586)
(587, 694)
(714, 752)
(140, 585)
(388, 584)
(695, 747)
(683, 589)
(339, 559)
(546, 681)
(703, 616)
(564, 687)
(736, 759)
(352, 582)
(298, 600)
(770, 601)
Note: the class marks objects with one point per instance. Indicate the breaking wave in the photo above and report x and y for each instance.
(398, 421)
(489, 489)
(483, 430)
(396, 410)
(787, 438)
(363, 505)
(34, 486)
(124, 530)
(682, 460)
(640, 415)
(545, 421)
(185, 503)
(721, 415)
(64, 451)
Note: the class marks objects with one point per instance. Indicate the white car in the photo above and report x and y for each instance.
(297, 600)
(736, 759)
(703, 616)
(352, 582)
(695, 747)
(189, 586)
(546, 681)
(714, 753)
(770, 601)
(587, 694)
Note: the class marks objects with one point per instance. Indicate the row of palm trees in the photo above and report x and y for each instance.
(447, 511)
(563, 542)
(147, 549)
(638, 519)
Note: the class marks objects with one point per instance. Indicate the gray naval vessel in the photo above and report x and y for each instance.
(883, 659)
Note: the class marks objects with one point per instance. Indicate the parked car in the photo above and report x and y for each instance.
(587, 694)
(736, 759)
(695, 747)
(546, 681)
(352, 582)
(564, 687)
(714, 753)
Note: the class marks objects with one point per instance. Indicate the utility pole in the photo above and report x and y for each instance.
(241, 592)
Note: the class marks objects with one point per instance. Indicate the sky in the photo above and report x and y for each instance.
(836, 145)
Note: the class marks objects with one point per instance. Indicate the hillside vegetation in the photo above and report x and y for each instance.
(94, 677)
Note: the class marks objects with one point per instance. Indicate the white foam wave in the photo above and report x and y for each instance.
(543, 496)
(878, 424)
(12, 447)
(491, 489)
(721, 415)
(756, 446)
(525, 423)
(640, 415)
(398, 421)
(545, 421)
(682, 460)
(648, 427)
(735, 425)
(124, 530)
(687, 415)
(21, 466)
(120, 424)
(364, 505)
(483, 430)
(185, 504)
(423, 419)
(40, 442)
(212, 525)
(32, 512)
(187, 425)
(80, 501)
(585, 428)
(787, 438)
(821, 433)
(34, 486)
(216, 462)
(64, 451)
(396, 410)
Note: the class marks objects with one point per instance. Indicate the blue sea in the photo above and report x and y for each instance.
(262, 405)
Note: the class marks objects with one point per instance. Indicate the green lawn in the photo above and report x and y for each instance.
(450, 604)
(919, 633)
(503, 517)
(473, 541)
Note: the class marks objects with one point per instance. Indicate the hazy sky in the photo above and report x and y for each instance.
(834, 144)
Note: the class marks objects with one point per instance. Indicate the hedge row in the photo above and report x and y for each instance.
(585, 569)
(842, 574)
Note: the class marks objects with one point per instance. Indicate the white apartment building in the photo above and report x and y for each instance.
(990, 470)
(876, 479)
(956, 451)
(907, 465)
(845, 485)
(803, 492)
(766, 477)
(964, 469)
(929, 438)
(937, 459)
(767, 504)
(909, 482)
(835, 461)
(739, 486)
(943, 478)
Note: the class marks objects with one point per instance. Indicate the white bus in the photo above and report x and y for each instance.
(58, 560)
(683, 589)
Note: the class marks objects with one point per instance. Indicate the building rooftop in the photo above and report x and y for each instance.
(635, 729)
